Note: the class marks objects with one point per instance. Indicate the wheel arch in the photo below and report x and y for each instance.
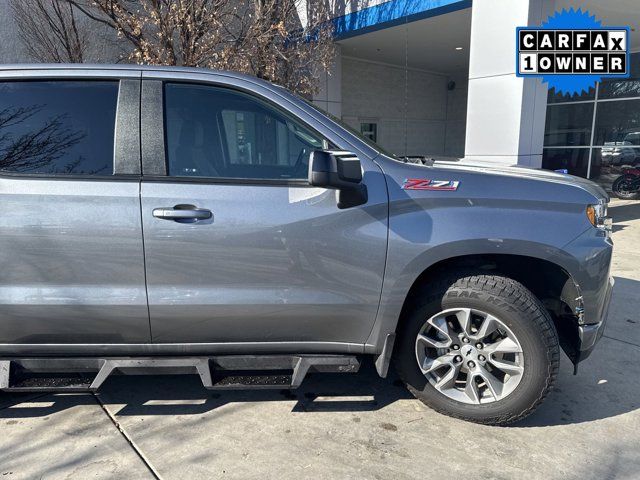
(549, 280)
(544, 278)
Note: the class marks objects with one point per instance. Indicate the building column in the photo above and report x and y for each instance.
(505, 113)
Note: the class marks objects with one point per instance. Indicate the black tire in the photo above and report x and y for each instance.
(520, 311)
(618, 189)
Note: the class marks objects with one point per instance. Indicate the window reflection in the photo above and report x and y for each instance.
(217, 132)
(607, 164)
(618, 123)
(569, 124)
(574, 160)
(622, 87)
(614, 111)
(57, 127)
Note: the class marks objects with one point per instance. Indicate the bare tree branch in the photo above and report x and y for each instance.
(265, 38)
(49, 30)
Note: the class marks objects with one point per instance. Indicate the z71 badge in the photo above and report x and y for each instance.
(424, 184)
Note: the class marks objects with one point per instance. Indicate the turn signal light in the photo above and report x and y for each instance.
(591, 215)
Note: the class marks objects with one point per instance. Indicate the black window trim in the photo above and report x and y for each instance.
(117, 134)
(298, 182)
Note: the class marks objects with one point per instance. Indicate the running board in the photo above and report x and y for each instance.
(216, 373)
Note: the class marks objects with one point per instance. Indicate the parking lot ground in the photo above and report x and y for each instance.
(343, 426)
(63, 436)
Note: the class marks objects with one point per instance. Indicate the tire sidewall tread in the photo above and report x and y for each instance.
(514, 305)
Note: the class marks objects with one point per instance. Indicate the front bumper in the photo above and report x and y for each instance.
(589, 335)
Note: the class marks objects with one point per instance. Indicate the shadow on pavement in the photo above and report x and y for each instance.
(603, 388)
(184, 395)
(624, 212)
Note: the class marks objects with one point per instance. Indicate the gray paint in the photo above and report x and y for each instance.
(72, 264)
(278, 265)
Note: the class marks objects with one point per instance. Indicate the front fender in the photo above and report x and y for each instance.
(399, 281)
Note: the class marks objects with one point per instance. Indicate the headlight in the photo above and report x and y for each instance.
(597, 215)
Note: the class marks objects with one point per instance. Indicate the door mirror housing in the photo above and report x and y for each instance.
(340, 171)
(335, 170)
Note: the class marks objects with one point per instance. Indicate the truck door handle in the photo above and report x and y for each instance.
(183, 213)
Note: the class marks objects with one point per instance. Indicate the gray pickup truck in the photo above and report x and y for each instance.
(170, 220)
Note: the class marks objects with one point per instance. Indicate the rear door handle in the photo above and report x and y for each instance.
(183, 213)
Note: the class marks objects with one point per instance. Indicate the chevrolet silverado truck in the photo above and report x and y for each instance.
(186, 221)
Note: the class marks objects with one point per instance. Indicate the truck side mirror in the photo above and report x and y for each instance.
(339, 171)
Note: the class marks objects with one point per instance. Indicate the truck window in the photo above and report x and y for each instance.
(217, 132)
(57, 127)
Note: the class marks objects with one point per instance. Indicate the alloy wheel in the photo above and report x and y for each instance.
(469, 356)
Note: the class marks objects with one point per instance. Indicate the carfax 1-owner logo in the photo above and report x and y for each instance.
(572, 51)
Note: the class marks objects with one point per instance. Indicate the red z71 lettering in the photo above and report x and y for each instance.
(425, 184)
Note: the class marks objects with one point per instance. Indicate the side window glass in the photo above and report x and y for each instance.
(217, 132)
(57, 127)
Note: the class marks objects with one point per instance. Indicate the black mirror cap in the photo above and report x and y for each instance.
(341, 171)
(337, 170)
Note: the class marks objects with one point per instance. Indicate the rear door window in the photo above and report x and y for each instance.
(58, 127)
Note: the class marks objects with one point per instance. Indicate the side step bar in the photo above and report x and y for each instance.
(216, 373)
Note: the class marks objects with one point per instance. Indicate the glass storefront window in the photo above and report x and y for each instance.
(620, 89)
(618, 123)
(607, 163)
(615, 157)
(613, 108)
(574, 160)
(568, 124)
(623, 88)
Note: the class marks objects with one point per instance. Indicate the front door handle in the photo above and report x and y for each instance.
(183, 213)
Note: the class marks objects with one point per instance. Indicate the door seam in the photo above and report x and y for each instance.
(144, 250)
(144, 262)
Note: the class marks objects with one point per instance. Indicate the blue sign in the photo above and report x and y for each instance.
(572, 51)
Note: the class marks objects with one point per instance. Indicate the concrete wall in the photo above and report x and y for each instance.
(329, 98)
(10, 49)
(103, 45)
(456, 121)
(415, 113)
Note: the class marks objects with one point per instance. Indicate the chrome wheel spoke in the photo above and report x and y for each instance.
(430, 365)
(471, 389)
(440, 324)
(493, 384)
(510, 368)
(432, 342)
(489, 325)
(464, 319)
(449, 378)
(505, 345)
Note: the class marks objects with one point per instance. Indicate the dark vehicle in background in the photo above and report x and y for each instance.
(624, 152)
(184, 221)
